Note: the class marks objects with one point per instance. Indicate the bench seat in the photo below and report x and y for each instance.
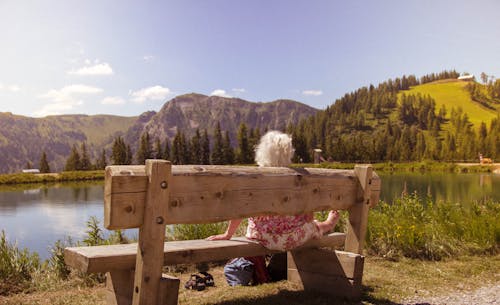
(100, 259)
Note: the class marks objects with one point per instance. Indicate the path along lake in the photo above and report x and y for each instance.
(36, 216)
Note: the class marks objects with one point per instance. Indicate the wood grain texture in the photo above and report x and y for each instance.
(115, 257)
(168, 294)
(330, 262)
(149, 259)
(358, 212)
(205, 194)
(119, 287)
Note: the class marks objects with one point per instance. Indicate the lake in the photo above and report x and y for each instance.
(35, 216)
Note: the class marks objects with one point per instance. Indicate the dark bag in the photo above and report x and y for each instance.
(277, 267)
(260, 274)
(239, 271)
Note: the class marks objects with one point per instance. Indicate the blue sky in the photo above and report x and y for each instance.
(127, 57)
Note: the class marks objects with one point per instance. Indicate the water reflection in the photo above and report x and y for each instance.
(456, 188)
(37, 216)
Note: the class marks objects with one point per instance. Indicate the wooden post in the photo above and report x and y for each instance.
(149, 262)
(119, 287)
(358, 213)
(169, 290)
(335, 273)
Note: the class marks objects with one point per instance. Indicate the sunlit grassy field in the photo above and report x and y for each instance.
(453, 94)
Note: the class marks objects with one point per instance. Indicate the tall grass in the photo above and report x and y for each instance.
(419, 228)
(16, 266)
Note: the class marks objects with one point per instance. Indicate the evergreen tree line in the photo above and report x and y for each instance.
(79, 160)
(181, 150)
(195, 150)
(369, 125)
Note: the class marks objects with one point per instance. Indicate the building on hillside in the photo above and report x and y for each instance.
(31, 171)
(468, 77)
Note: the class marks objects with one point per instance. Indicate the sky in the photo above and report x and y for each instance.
(125, 57)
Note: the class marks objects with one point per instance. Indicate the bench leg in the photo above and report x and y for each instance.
(336, 273)
(119, 287)
(168, 293)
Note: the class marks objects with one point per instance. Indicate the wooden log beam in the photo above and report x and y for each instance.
(205, 194)
(149, 260)
(100, 259)
(358, 213)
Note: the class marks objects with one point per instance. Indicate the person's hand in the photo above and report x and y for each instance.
(223, 236)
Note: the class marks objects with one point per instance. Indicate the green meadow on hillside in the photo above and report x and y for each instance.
(453, 94)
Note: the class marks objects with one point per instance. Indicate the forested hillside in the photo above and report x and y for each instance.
(407, 119)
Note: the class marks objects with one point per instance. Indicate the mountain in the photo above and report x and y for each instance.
(23, 139)
(196, 111)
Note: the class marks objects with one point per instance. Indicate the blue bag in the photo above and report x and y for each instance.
(239, 271)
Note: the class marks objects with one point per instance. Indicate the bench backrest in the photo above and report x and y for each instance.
(204, 193)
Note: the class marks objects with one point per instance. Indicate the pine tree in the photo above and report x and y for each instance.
(205, 148)
(217, 151)
(144, 152)
(119, 152)
(128, 155)
(167, 151)
(101, 163)
(244, 151)
(180, 149)
(186, 150)
(158, 149)
(73, 161)
(44, 164)
(196, 151)
(228, 150)
(85, 163)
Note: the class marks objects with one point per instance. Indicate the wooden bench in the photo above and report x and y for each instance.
(158, 194)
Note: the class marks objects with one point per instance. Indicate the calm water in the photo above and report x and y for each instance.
(37, 216)
(456, 188)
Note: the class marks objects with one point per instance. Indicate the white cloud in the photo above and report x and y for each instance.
(312, 92)
(96, 69)
(112, 100)
(219, 92)
(65, 99)
(154, 93)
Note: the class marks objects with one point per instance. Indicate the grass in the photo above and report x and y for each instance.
(453, 94)
(10, 179)
(419, 228)
(385, 282)
(424, 166)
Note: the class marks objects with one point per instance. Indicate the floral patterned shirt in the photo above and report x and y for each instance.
(282, 232)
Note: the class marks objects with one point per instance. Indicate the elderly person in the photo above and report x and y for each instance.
(279, 232)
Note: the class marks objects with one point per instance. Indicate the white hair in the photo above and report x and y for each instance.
(274, 149)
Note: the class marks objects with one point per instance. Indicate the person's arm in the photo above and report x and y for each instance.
(231, 228)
